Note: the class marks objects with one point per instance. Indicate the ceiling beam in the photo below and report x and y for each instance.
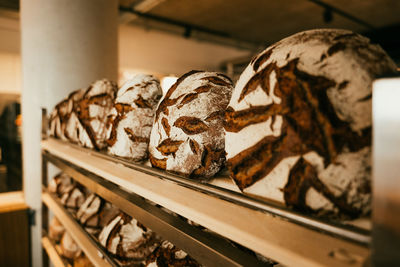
(343, 13)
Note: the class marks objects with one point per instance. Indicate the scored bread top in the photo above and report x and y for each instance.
(298, 125)
(92, 111)
(131, 118)
(187, 135)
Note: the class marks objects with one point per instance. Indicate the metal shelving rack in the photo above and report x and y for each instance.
(271, 230)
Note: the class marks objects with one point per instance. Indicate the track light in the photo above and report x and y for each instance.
(327, 15)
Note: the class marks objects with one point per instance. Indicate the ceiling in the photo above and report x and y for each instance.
(266, 21)
(252, 24)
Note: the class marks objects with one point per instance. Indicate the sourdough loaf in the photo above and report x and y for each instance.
(58, 119)
(69, 248)
(298, 125)
(62, 117)
(56, 230)
(95, 213)
(169, 255)
(128, 241)
(187, 135)
(92, 112)
(132, 117)
(60, 184)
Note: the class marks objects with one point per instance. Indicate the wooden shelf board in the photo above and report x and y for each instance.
(12, 201)
(55, 258)
(75, 230)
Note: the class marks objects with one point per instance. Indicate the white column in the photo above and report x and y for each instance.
(66, 45)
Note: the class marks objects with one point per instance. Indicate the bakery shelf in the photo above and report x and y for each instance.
(287, 237)
(207, 248)
(51, 251)
(92, 248)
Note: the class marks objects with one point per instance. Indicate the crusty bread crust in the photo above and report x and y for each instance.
(298, 125)
(187, 135)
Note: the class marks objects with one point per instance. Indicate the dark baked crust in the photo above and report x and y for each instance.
(103, 100)
(131, 119)
(133, 252)
(185, 141)
(311, 120)
(310, 123)
(166, 256)
(95, 213)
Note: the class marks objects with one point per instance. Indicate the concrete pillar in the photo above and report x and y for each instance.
(66, 45)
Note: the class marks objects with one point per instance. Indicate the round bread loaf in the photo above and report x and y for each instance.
(69, 248)
(73, 197)
(56, 230)
(92, 112)
(58, 119)
(82, 261)
(62, 117)
(60, 184)
(169, 255)
(187, 135)
(95, 213)
(132, 117)
(128, 240)
(298, 125)
(73, 127)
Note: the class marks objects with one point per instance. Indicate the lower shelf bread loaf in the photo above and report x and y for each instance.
(56, 230)
(128, 241)
(167, 254)
(69, 248)
(95, 213)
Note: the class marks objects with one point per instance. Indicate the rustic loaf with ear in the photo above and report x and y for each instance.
(56, 230)
(298, 125)
(132, 117)
(60, 184)
(69, 248)
(95, 213)
(58, 119)
(187, 135)
(92, 112)
(128, 241)
(169, 255)
(62, 117)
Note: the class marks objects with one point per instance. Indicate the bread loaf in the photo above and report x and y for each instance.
(73, 198)
(132, 117)
(62, 119)
(95, 213)
(298, 125)
(74, 130)
(60, 184)
(128, 240)
(92, 112)
(82, 261)
(69, 248)
(56, 230)
(169, 255)
(187, 135)
(58, 119)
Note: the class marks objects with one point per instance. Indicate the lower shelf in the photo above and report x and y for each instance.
(92, 249)
(51, 251)
(275, 237)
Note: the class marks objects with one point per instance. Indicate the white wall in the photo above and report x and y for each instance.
(139, 50)
(164, 53)
(10, 60)
(10, 73)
